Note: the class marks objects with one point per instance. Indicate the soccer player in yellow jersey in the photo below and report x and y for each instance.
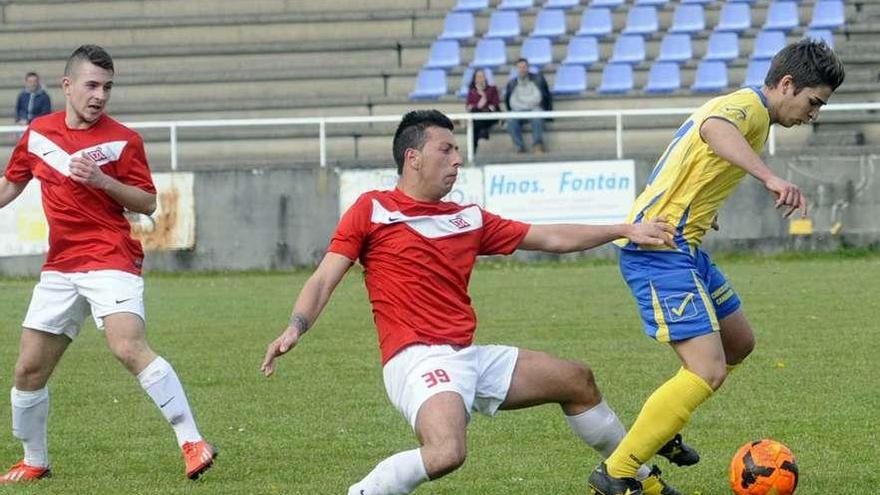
(683, 299)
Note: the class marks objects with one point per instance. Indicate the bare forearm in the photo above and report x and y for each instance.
(567, 238)
(9, 191)
(130, 197)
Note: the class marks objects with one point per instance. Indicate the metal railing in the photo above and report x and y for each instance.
(322, 122)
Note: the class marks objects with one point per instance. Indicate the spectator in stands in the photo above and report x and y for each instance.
(527, 92)
(482, 97)
(33, 100)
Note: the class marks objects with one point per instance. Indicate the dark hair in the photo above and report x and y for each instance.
(31, 74)
(522, 59)
(474, 78)
(89, 53)
(411, 132)
(810, 63)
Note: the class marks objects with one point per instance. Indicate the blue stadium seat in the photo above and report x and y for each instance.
(675, 48)
(458, 26)
(538, 51)
(653, 3)
(445, 54)
(596, 22)
(664, 77)
(516, 4)
(828, 14)
(470, 5)
(742, 1)
(768, 43)
(688, 19)
(722, 46)
(628, 49)
(616, 78)
(466, 80)
(430, 85)
(700, 2)
(607, 4)
(641, 20)
(756, 71)
(711, 77)
(561, 4)
(549, 23)
(570, 80)
(582, 50)
(782, 16)
(736, 17)
(503, 24)
(490, 53)
(821, 34)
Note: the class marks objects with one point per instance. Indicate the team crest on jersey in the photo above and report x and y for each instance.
(738, 113)
(97, 155)
(459, 222)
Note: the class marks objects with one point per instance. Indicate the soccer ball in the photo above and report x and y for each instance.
(763, 467)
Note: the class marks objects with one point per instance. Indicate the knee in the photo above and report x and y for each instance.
(714, 376)
(30, 375)
(445, 458)
(130, 353)
(588, 391)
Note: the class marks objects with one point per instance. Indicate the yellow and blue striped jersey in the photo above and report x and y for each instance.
(690, 182)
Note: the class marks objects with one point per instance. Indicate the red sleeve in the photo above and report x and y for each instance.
(500, 235)
(132, 167)
(352, 230)
(492, 96)
(472, 98)
(20, 164)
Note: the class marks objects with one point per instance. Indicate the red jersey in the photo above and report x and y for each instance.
(87, 230)
(418, 258)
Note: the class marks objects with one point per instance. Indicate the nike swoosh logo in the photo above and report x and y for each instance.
(679, 310)
(120, 301)
(50, 151)
(161, 406)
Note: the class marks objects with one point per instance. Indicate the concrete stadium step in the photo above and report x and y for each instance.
(51, 11)
(393, 24)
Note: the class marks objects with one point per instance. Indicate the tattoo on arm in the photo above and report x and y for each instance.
(300, 322)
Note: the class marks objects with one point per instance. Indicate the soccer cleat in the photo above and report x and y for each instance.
(602, 483)
(21, 473)
(654, 484)
(678, 453)
(199, 457)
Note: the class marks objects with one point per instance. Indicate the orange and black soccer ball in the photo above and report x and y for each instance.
(763, 467)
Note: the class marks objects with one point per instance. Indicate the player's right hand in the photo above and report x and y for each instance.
(657, 232)
(788, 195)
(278, 347)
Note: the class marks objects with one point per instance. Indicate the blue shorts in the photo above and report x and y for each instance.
(680, 295)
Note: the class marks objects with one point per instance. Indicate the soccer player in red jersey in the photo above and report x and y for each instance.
(91, 169)
(418, 253)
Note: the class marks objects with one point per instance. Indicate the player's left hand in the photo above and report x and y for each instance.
(655, 232)
(278, 347)
(85, 171)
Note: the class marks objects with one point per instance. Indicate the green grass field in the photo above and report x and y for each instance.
(323, 421)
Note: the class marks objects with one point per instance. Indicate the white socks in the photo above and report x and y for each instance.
(162, 385)
(30, 411)
(601, 429)
(397, 475)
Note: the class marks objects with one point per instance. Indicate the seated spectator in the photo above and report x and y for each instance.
(482, 97)
(527, 92)
(33, 101)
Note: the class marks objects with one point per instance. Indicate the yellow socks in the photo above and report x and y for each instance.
(664, 414)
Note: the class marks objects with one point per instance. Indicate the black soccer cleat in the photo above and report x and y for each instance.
(602, 483)
(678, 453)
(655, 485)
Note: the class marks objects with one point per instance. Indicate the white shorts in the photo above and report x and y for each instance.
(62, 300)
(480, 374)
